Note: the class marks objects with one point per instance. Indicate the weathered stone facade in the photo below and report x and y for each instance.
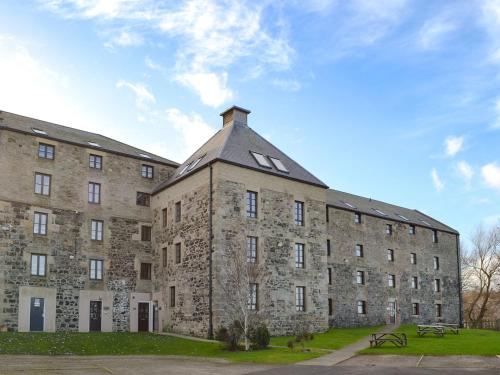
(196, 217)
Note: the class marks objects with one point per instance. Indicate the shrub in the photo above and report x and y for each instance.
(302, 337)
(290, 344)
(234, 335)
(222, 334)
(259, 336)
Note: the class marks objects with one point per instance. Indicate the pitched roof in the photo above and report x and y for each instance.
(380, 209)
(78, 137)
(234, 144)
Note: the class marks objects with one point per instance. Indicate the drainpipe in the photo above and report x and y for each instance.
(460, 313)
(210, 240)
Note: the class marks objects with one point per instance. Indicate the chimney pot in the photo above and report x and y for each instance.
(234, 115)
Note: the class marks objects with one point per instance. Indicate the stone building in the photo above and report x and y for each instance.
(96, 235)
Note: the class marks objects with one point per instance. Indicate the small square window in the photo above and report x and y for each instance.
(46, 151)
(411, 229)
(359, 250)
(143, 199)
(145, 233)
(147, 171)
(95, 161)
(145, 271)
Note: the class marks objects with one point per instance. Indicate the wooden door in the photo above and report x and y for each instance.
(95, 316)
(143, 315)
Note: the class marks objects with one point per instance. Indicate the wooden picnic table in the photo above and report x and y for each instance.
(422, 329)
(452, 327)
(380, 338)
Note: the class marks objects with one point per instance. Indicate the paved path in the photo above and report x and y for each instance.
(345, 353)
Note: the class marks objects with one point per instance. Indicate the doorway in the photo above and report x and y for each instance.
(36, 314)
(143, 315)
(391, 308)
(95, 316)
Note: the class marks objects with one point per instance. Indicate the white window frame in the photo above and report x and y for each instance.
(96, 267)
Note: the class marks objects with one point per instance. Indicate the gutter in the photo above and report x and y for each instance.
(210, 272)
(459, 272)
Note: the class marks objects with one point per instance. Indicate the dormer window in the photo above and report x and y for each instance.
(93, 144)
(261, 160)
(38, 131)
(278, 164)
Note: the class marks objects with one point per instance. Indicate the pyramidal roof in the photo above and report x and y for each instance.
(236, 143)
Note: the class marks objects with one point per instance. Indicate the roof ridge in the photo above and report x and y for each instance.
(371, 199)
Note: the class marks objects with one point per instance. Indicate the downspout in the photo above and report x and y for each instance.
(460, 310)
(210, 240)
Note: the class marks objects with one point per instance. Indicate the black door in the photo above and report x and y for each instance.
(156, 318)
(36, 314)
(143, 325)
(95, 316)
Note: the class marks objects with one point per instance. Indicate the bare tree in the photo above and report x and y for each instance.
(236, 275)
(481, 272)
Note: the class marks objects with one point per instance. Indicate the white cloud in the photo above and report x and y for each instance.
(465, 171)
(287, 84)
(152, 65)
(491, 175)
(125, 39)
(436, 180)
(194, 131)
(490, 20)
(210, 87)
(433, 32)
(491, 220)
(142, 95)
(453, 145)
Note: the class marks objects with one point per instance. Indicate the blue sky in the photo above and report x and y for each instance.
(397, 100)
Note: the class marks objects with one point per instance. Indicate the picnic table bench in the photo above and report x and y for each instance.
(435, 329)
(380, 338)
(452, 327)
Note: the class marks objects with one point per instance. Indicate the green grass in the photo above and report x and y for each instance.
(333, 339)
(467, 342)
(62, 343)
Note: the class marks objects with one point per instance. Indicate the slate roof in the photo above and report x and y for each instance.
(78, 137)
(367, 206)
(232, 144)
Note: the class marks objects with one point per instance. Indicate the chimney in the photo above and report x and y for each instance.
(234, 115)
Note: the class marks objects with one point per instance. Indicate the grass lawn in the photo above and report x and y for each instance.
(467, 342)
(62, 343)
(335, 338)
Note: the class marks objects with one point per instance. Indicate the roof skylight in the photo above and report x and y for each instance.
(195, 163)
(278, 164)
(403, 217)
(261, 159)
(348, 204)
(425, 222)
(38, 131)
(379, 212)
(145, 156)
(184, 169)
(93, 144)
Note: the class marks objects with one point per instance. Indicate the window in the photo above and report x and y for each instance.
(252, 296)
(42, 184)
(359, 250)
(390, 255)
(145, 233)
(379, 212)
(40, 223)
(164, 255)
(38, 131)
(435, 236)
(413, 258)
(329, 276)
(361, 307)
(299, 255)
(411, 229)
(38, 263)
(251, 204)
(93, 144)
(426, 223)
(94, 192)
(177, 253)
(415, 308)
(95, 269)
(164, 217)
(184, 169)
(251, 249)
(46, 151)
(357, 218)
(299, 213)
(439, 310)
(147, 171)
(360, 277)
(330, 306)
(178, 212)
(300, 302)
(143, 199)
(391, 281)
(348, 204)
(327, 212)
(388, 229)
(437, 285)
(145, 271)
(95, 161)
(261, 160)
(436, 263)
(96, 230)
(144, 156)
(195, 163)
(279, 165)
(414, 282)
(403, 217)
(172, 296)
(328, 248)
